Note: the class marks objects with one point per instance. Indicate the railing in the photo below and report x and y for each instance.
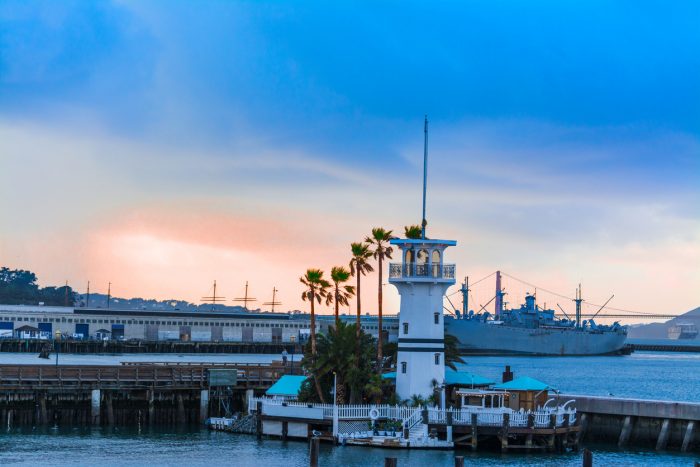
(411, 416)
(414, 419)
(101, 376)
(434, 271)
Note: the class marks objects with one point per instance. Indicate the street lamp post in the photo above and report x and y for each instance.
(56, 345)
(293, 341)
(335, 404)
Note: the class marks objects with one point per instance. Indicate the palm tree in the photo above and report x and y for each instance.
(380, 240)
(359, 267)
(335, 355)
(413, 231)
(317, 288)
(342, 293)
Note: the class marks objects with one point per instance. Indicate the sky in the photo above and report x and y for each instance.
(163, 145)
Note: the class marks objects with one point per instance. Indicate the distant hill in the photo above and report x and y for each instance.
(660, 330)
(98, 300)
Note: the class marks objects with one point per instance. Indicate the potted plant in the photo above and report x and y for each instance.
(370, 428)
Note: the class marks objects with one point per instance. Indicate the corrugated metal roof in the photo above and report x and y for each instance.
(287, 385)
(524, 383)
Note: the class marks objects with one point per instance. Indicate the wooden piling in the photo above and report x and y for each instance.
(181, 417)
(390, 462)
(459, 461)
(110, 408)
(314, 444)
(474, 432)
(258, 420)
(587, 458)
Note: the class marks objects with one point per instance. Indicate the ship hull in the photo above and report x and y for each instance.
(478, 337)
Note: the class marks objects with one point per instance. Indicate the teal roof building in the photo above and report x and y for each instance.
(287, 387)
(524, 383)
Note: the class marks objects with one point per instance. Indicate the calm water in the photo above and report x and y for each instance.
(194, 448)
(673, 376)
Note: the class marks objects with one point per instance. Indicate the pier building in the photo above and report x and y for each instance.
(183, 326)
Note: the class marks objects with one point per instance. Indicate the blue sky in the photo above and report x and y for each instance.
(564, 135)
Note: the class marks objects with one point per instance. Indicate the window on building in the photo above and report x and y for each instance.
(437, 318)
(405, 328)
(437, 358)
(403, 367)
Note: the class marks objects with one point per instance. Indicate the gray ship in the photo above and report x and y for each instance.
(531, 330)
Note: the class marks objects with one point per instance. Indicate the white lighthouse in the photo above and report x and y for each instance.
(422, 278)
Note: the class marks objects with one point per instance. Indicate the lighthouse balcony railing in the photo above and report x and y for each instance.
(427, 271)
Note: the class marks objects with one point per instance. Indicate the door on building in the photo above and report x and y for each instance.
(118, 332)
(83, 331)
(276, 335)
(151, 332)
(185, 333)
(217, 333)
(247, 334)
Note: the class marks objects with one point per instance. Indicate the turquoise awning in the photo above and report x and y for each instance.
(287, 385)
(524, 383)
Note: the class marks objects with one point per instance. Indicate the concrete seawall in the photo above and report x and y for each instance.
(636, 422)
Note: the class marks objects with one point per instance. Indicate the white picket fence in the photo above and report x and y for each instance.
(412, 415)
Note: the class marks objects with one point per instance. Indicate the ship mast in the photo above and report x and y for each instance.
(465, 297)
(578, 301)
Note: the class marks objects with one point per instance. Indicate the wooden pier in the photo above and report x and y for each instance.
(130, 394)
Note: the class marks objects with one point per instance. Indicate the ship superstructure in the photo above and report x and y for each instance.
(532, 330)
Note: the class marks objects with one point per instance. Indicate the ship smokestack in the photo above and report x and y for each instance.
(498, 304)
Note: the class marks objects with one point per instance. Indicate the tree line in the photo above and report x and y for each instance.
(19, 287)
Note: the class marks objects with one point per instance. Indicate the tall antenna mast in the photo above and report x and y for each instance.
(214, 299)
(465, 297)
(245, 299)
(273, 302)
(425, 174)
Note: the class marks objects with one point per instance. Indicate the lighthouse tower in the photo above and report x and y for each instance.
(422, 278)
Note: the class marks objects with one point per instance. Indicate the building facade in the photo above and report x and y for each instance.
(148, 325)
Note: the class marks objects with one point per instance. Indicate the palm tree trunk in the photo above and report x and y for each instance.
(313, 327)
(319, 391)
(337, 317)
(340, 387)
(359, 311)
(379, 310)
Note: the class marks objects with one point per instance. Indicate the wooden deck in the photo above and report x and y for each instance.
(133, 375)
